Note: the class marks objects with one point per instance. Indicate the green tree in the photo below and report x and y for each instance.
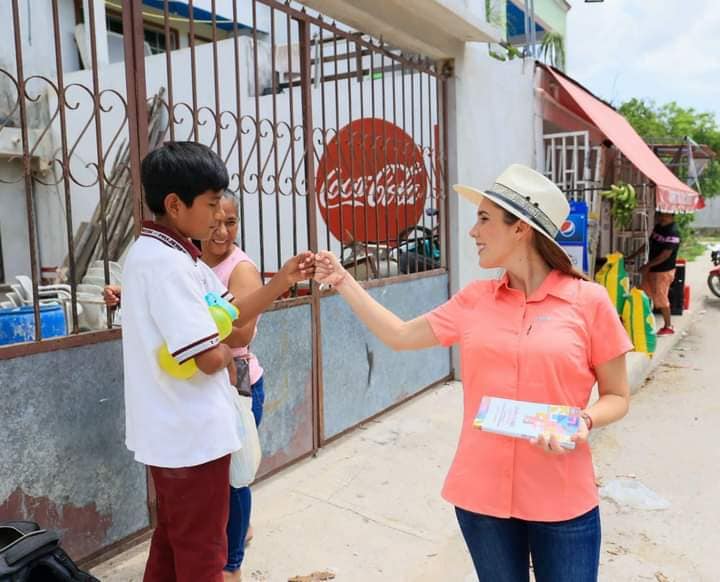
(671, 123)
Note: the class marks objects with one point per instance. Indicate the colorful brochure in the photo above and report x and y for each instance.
(528, 420)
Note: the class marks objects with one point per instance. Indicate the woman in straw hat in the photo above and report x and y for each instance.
(541, 333)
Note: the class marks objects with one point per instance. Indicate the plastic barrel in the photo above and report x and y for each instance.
(17, 324)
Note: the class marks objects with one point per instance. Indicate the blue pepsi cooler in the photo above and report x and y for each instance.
(17, 324)
(573, 235)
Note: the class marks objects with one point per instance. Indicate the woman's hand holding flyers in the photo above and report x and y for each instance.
(552, 446)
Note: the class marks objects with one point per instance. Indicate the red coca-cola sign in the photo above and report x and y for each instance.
(371, 182)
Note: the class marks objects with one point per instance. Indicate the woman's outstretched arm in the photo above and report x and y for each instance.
(395, 333)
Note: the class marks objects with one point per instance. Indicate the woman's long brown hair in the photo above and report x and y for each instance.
(553, 255)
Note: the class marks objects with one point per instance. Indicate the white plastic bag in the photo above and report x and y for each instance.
(244, 463)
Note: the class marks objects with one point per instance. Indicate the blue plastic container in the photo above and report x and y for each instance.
(17, 324)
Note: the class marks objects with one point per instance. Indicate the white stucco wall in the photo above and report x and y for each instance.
(49, 199)
(708, 217)
(493, 112)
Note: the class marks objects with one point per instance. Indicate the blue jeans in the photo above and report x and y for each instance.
(240, 499)
(563, 551)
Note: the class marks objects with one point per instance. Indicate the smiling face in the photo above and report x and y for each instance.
(495, 239)
(223, 236)
(198, 220)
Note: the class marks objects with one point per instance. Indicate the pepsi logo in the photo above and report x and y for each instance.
(567, 229)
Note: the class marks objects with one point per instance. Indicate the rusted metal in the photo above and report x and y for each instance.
(337, 141)
(168, 70)
(425, 65)
(363, 160)
(238, 123)
(258, 177)
(52, 345)
(100, 152)
(65, 163)
(27, 168)
(323, 109)
(275, 146)
(338, 68)
(377, 184)
(385, 157)
(306, 87)
(293, 180)
(136, 102)
(353, 185)
(394, 280)
(216, 80)
(445, 206)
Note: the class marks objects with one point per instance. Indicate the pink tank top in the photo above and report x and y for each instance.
(223, 270)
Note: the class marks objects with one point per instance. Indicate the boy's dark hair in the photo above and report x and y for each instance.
(186, 168)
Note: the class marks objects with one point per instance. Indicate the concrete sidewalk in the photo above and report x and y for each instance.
(368, 506)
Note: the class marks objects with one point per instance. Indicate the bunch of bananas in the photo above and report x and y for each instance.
(624, 202)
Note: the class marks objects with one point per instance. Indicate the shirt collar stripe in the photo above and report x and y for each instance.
(169, 238)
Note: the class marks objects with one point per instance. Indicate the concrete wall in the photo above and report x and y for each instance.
(553, 13)
(63, 456)
(362, 377)
(284, 347)
(13, 221)
(492, 116)
(709, 217)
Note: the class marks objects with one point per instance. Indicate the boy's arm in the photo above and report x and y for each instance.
(214, 359)
(297, 269)
(178, 308)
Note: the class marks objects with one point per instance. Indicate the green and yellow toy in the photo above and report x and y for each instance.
(223, 313)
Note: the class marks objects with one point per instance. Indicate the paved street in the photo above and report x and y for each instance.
(668, 442)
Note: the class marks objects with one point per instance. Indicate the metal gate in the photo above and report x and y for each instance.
(333, 140)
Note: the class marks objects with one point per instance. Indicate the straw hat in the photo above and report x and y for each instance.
(527, 194)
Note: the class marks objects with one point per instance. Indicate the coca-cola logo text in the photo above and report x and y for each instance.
(371, 182)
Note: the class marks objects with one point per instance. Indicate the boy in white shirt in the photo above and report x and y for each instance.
(184, 430)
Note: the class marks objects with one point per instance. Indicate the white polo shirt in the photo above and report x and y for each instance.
(170, 422)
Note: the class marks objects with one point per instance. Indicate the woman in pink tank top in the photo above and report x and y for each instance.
(240, 275)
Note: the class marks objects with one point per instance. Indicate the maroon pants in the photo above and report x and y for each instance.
(189, 543)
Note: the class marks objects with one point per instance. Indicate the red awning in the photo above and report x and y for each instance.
(672, 195)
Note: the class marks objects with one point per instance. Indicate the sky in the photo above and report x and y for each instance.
(663, 50)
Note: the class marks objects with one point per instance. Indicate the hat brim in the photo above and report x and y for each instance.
(476, 196)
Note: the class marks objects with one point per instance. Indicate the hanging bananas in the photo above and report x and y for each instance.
(624, 202)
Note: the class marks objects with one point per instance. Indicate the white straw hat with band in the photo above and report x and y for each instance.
(527, 194)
